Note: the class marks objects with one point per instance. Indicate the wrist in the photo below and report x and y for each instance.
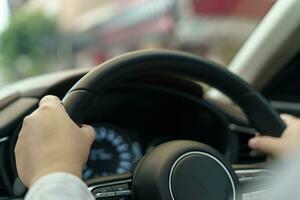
(55, 169)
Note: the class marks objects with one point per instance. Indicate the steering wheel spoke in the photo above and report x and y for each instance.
(117, 187)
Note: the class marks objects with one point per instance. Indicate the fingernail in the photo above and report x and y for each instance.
(252, 142)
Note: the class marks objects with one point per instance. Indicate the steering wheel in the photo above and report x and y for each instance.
(177, 170)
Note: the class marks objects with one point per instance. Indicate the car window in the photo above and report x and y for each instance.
(285, 85)
(40, 36)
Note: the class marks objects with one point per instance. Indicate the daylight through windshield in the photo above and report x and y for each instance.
(40, 36)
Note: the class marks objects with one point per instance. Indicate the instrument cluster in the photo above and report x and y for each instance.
(113, 152)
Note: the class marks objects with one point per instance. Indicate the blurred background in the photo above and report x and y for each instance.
(42, 36)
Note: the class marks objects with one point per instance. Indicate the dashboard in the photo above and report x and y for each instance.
(129, 120)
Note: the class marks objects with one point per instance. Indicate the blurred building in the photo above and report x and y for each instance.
(198, 26)
(118, 26)
(216, 29)
(71, 9)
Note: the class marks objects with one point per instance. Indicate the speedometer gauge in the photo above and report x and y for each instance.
(113, 152)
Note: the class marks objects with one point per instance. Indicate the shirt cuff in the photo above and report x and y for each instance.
(58, 186)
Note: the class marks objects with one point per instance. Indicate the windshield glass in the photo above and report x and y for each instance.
(42, 36)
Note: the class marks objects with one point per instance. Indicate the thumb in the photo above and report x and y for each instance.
(90, 133)
(265, 144)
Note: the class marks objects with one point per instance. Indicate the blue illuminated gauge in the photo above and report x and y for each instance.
(113, 152)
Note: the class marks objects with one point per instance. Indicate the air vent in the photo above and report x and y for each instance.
(245, 154)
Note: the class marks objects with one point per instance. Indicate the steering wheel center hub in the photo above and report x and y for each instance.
(184, 170)
(198, 175)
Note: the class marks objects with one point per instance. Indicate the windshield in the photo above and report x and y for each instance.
(42, 36)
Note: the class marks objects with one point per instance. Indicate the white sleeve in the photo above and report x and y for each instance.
(59, 186)
(286, 183)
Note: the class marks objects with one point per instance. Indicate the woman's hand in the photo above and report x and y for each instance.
(289, 141)
(50, 141)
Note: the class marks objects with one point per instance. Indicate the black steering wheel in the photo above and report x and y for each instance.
(178, 170)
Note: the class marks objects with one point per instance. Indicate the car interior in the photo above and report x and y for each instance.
(169, 124)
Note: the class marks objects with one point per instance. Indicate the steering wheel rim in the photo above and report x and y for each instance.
(97, 81)
(174, 164)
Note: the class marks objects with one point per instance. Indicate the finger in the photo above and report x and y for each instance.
(51, 100)
(288, 119)
(90, 132)
(266, 144)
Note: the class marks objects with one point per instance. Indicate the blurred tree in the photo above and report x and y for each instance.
(27, 44)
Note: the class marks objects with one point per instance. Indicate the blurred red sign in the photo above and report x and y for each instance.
(214, 7)
(247, 8)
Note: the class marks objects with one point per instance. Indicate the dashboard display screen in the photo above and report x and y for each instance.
(113, 152)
